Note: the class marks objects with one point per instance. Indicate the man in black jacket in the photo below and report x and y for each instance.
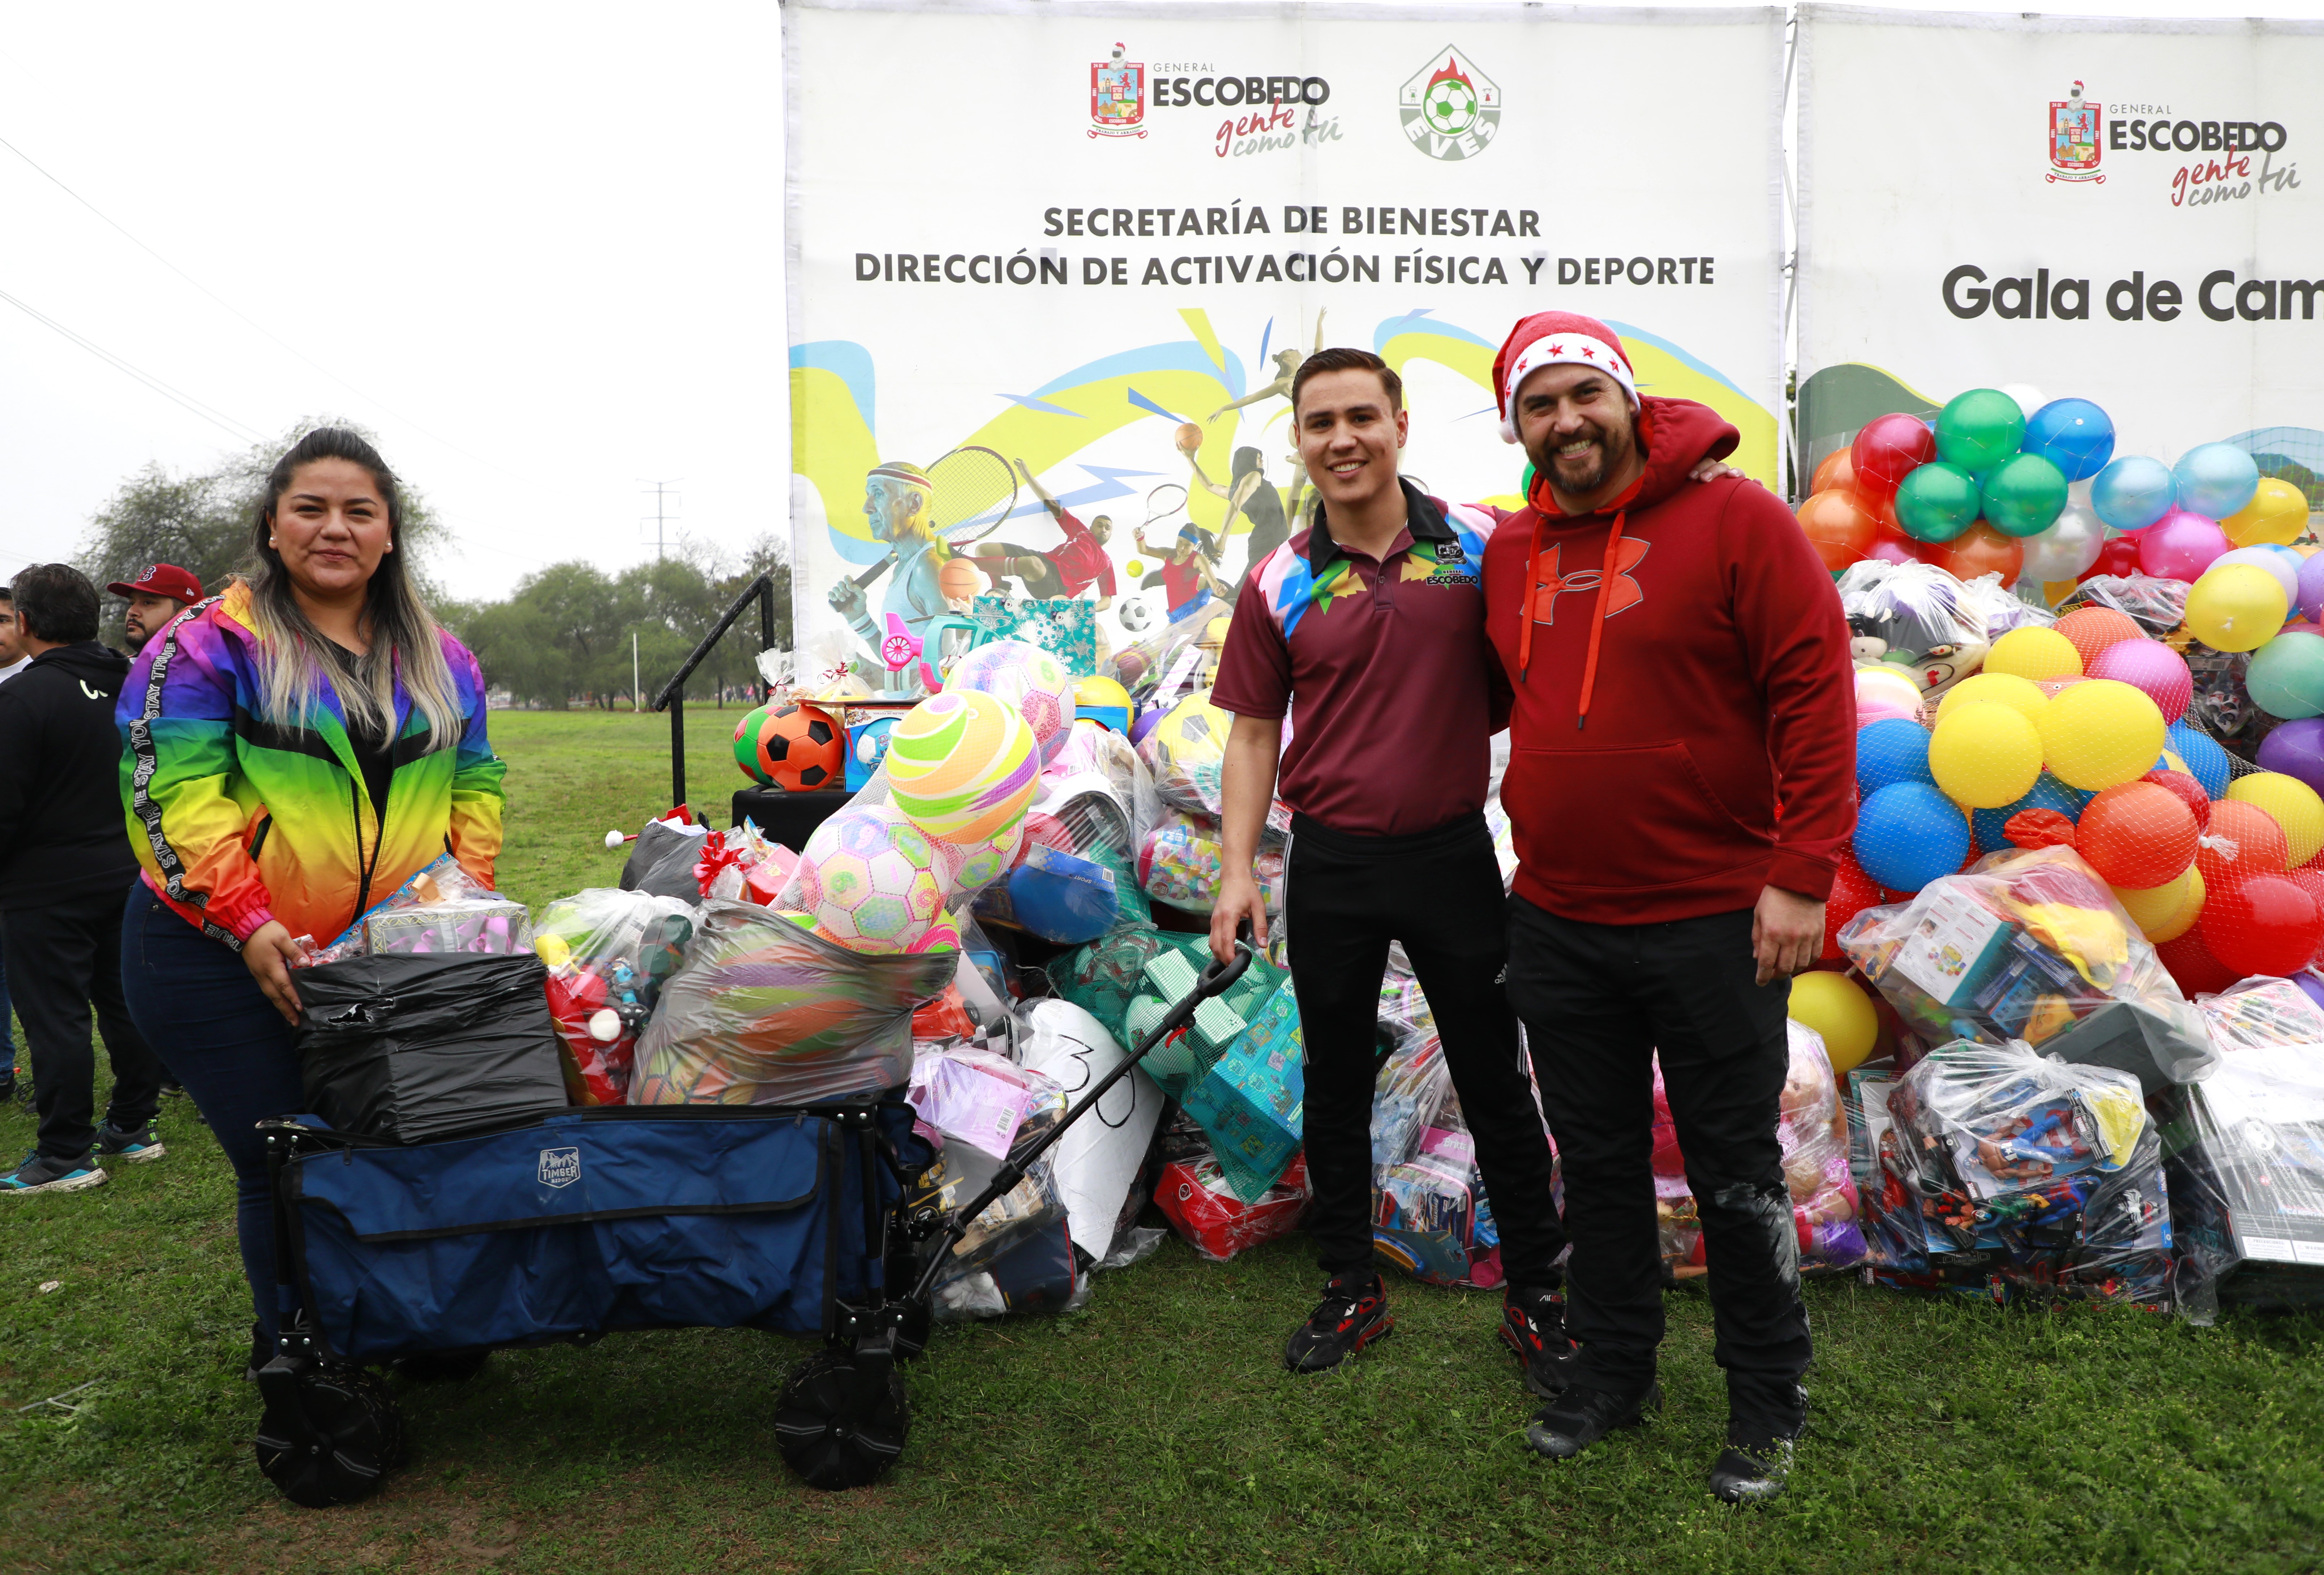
(65, 868)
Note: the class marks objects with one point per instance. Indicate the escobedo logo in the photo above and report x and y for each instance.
(2075, 139)
(1117, 96)
(1450, 109)
(560, 1167)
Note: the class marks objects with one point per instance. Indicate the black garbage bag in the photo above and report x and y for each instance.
(663, 863)
(411, 1049)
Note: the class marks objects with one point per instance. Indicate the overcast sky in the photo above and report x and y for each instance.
(538, 250)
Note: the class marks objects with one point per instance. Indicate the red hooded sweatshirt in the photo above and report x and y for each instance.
(1686, 670)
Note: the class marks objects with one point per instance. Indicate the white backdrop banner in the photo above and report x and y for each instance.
(1093, 241)
(2129, 212)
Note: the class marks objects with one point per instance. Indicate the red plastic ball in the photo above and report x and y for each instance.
(2189, 791)
(1888, 449)
(2191, 964)
(2242, 840)
(2137, 835)
(1852, 891)
(1839, 526)
(2264, 924)
(2118, 557)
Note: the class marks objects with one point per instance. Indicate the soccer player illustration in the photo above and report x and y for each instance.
(1065, 571)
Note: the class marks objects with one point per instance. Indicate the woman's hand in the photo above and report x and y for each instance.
(268, 954)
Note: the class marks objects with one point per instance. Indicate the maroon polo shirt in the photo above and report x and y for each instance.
(1394, 690)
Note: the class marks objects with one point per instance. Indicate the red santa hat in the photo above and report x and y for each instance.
(1554, 339)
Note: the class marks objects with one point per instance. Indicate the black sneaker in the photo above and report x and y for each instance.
(174, 1091)
(40, 1172)
(136, 1147)
(1532, 1326)
(1757, 1459)
(1352, 1314)
(1581, 1416)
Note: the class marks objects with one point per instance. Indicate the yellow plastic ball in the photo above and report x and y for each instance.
(2101, 733)
(1839, 1013)
(2190, 908)
(2237, 606)
(1985, 755)
(2277, 512)
(2022, 696)
(2291, 804)
(2153, 906)
(2035, 652)
(1098, 690)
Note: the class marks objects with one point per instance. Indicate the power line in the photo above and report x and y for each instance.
(224, 423)
(660, 518)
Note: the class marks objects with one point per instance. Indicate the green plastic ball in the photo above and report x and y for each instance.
(1979, 429)
(2286, 676)
(1937, 502)
(746, 746)
(2023, 495)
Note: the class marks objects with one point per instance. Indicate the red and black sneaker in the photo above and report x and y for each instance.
(1352, 1314)
(1532, 1326)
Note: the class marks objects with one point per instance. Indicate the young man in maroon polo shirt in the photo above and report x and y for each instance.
(1372, 623)
(1681, 779)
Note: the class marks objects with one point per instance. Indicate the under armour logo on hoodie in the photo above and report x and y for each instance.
(1549, 585)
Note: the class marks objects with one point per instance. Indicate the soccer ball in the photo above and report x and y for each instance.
(1136, 615)
(1027, 678)
(1449, 106)
(746, 743)
(796, 746)
(871, 880)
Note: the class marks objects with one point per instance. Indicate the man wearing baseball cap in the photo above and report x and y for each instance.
(1680, 783)
(159, 594)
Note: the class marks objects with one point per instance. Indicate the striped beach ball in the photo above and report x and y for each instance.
(963, 766)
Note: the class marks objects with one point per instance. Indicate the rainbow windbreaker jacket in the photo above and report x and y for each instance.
(238, 820)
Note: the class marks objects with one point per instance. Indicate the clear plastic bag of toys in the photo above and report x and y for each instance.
(441, 911)
(984, 1100)
(2263, 1014)
(1182, 860)
(1811, 1129)
(2054, 1169)
(741, 865)
(766, 1012)
(2028, 945)
(609, 953)
(1168, 665)
(1430, 1214)
(1186, 749)
(1193, 1195)
(962, 1171)
(1918, 618)
(2156, 606)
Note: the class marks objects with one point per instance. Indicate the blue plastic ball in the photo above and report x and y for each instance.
(1891, 750)
(2074, 435)
(2132, 493)
(1992, 825)
(1908, 834)
(2204, 757)
(2215, 479)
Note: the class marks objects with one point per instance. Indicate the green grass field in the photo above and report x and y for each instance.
(1154, 1430)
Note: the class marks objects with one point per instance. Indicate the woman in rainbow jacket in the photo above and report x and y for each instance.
(297, 748)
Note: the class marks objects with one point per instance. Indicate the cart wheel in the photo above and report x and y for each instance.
(361, 1439)
(441, 1366)
(825, 1446)
(912, 1334)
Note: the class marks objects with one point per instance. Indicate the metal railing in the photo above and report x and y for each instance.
(673, 694)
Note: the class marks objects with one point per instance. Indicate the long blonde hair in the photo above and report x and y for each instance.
(404, 635)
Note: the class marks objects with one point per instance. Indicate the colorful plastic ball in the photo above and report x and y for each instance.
(2311, 587)
(2067, 549)
(1893, 751)
(2152, 907)
(1937, 503)
(2116, 559)
(1852, 891)
(2137, 835)
(2176, 779)
(1839, 1013)
(1985, 756)
(1980, 550)
(2296, 749)
(2132, 493)
(2151, 666)
(2242, 840)
(1991, 826)
(1838, 527)
(2190, 908)
(871, 880)
(746, 743)
(1144, 723)
(2275, 561)
(1886, 548)
(963, 766)
(1190, 740)
(2035, 652)
(2074, 435)
(2022, 495)
(2293, 804)
(2192, 965)
(1836, 472)
(2206, 761)
(1908, 834)
(1888, 449)
(2021, 694)
(2215, 479)
(1978, 429)
(2277, 513)
(2286, 676)
(2265, 924)
(2234, 607)
(1029, 679)
(797, 748)
(1882, 693)
(2180, 547)
(2093, 628)
(2100, 732)
(1100, 692)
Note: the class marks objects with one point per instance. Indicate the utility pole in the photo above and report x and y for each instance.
(662, 518)
(637, 700)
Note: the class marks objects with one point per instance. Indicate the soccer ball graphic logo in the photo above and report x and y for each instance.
(1136, 615)
(871, 880)
(1449, 106)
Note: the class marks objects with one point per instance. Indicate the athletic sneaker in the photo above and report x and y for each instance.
(129, 1147)
(1581, 1416)
(1532, 1326)
(175, 1090)
(1352, 1314)
(40, 1174)
(1761, 1429)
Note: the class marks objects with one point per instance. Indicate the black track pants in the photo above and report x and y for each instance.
(61, 962)
(1597, 1002)
(1439, 892)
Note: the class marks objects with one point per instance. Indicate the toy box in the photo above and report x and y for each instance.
(1250, 1101)
(1202, 1208)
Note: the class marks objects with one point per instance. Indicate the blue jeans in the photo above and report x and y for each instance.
(220, 1035)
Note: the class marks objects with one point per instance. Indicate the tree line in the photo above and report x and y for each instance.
(563, 637)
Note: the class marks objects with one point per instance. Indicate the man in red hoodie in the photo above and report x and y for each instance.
(1681, 777)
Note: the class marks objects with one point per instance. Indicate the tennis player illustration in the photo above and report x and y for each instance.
(897, 499)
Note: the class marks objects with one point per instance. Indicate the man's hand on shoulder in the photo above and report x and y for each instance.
(1711, 470)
